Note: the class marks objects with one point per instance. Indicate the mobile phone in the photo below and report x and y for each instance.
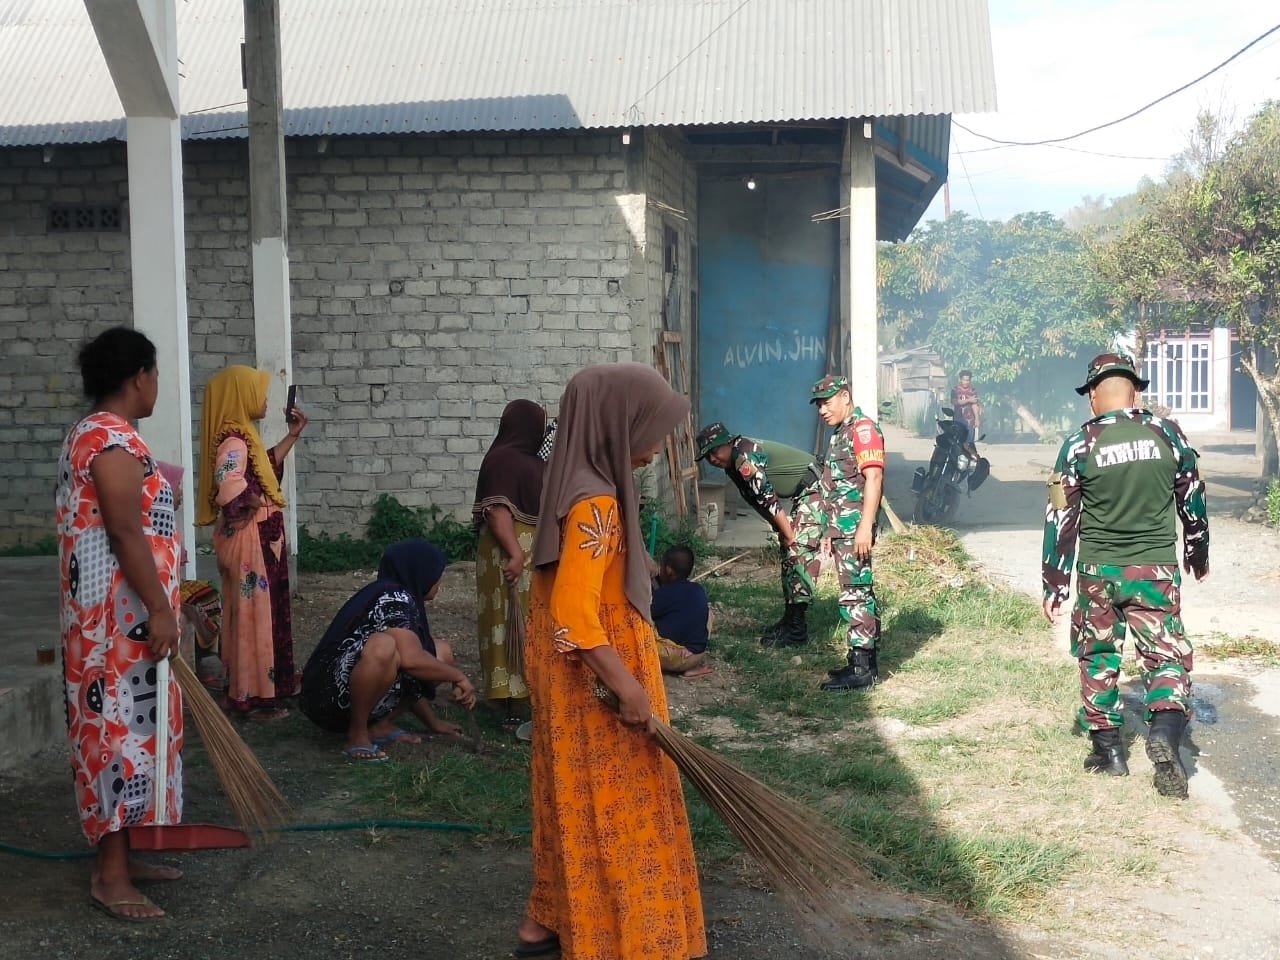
(291, 402)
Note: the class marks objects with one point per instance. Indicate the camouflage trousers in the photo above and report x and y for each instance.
(859, 612)
(1147, 602)
(808, 520)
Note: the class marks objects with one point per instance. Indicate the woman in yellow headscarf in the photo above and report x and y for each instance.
(240, 492)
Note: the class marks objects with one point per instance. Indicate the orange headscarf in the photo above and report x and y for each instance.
(233, 400)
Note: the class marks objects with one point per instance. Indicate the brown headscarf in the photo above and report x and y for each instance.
(511, 472)
(608, 413)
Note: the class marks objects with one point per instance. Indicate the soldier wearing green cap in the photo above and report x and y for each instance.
(1117, 485)
(851, 485)
(764, 472)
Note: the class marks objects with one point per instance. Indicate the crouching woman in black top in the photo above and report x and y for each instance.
(378, 658)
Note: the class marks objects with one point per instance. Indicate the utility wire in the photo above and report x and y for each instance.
(965, 168)
(675, 66)
(1128, 116)
(1059, 146)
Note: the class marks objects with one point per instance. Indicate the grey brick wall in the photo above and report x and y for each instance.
(433, 280)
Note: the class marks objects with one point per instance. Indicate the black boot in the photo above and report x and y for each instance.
(1108, 753)
(859, 674)
(771, 633)
(1163, 740)
(792, 629)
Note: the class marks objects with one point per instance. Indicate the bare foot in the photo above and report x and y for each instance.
(123, 900)
(445, 728)
(142, 872)
(531, 931)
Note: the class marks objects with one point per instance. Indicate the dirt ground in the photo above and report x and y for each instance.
(423, 895)
(417, 895)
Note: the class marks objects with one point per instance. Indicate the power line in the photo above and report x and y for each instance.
(1128, 116)
(1059, 146)
(972, 192)
(694, 49)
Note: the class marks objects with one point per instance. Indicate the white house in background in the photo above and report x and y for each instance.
(1195, 375)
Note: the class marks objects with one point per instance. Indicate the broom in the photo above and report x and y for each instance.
(515, 630)
(816, 869)
(256, 802)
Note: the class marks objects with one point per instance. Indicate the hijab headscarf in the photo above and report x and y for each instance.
(233, 399)
(511, 472)
(414, 566)
(608, 413)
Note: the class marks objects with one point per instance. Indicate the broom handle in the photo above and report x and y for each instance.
(161, 780)
(718, 566)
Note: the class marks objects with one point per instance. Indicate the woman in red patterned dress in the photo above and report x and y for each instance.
(118, 556)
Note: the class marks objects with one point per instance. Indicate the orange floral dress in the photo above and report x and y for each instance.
(613, 866)
(110, 677)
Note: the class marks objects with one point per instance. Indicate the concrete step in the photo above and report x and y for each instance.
(32, 702)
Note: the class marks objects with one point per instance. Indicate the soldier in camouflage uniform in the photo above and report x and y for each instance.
(1116, 486)
(851, 484)
(764, 471)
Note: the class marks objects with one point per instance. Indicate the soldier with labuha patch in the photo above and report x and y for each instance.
(1117, 485)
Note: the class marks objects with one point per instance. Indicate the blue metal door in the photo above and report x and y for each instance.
(765, 303)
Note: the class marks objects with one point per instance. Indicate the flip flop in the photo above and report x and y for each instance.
(110, 908)
(539, 948)
(363, 754)
(395, 734)
(268, 714)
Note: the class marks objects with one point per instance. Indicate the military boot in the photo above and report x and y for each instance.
(1108, 753)
(859, 674)
(771, 633)
(1163, 740)
(792, 629)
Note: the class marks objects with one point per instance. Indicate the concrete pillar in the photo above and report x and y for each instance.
(860, 274)
(272, 325)
(158, 253)
(139, 40)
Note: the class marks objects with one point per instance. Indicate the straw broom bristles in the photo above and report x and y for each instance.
(806, 861)
(256, 802)
(515, 630)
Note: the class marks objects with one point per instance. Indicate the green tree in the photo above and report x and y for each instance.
(1015, 302)
(1207, 249)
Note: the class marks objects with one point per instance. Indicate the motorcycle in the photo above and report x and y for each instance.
(954, 467)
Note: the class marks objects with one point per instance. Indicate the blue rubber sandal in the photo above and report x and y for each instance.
(392, 737)
(363, 754)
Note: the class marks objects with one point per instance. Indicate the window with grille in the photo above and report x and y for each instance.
(74, 218)
(1180, 374)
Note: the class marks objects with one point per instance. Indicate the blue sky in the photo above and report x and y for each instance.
(1065, 65)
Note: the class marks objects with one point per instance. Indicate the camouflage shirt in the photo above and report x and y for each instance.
(856, 445)
(763, 471)
(1116, 486)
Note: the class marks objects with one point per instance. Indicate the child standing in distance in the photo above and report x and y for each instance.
(681, 616)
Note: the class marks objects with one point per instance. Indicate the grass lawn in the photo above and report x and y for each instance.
(960, 771)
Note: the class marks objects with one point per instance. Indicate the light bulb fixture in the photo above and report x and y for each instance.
(626, 138)
(751, 183)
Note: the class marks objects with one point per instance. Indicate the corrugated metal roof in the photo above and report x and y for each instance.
(436, 66)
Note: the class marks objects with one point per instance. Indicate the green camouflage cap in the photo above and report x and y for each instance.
(828, 386)
(711, 436)
(1104, 365)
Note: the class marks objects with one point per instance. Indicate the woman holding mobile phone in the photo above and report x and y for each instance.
(240, 493)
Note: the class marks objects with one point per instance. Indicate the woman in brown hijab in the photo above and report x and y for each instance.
(613, 869)
(505, 513)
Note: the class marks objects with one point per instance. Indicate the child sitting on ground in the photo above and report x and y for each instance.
(681, 616)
